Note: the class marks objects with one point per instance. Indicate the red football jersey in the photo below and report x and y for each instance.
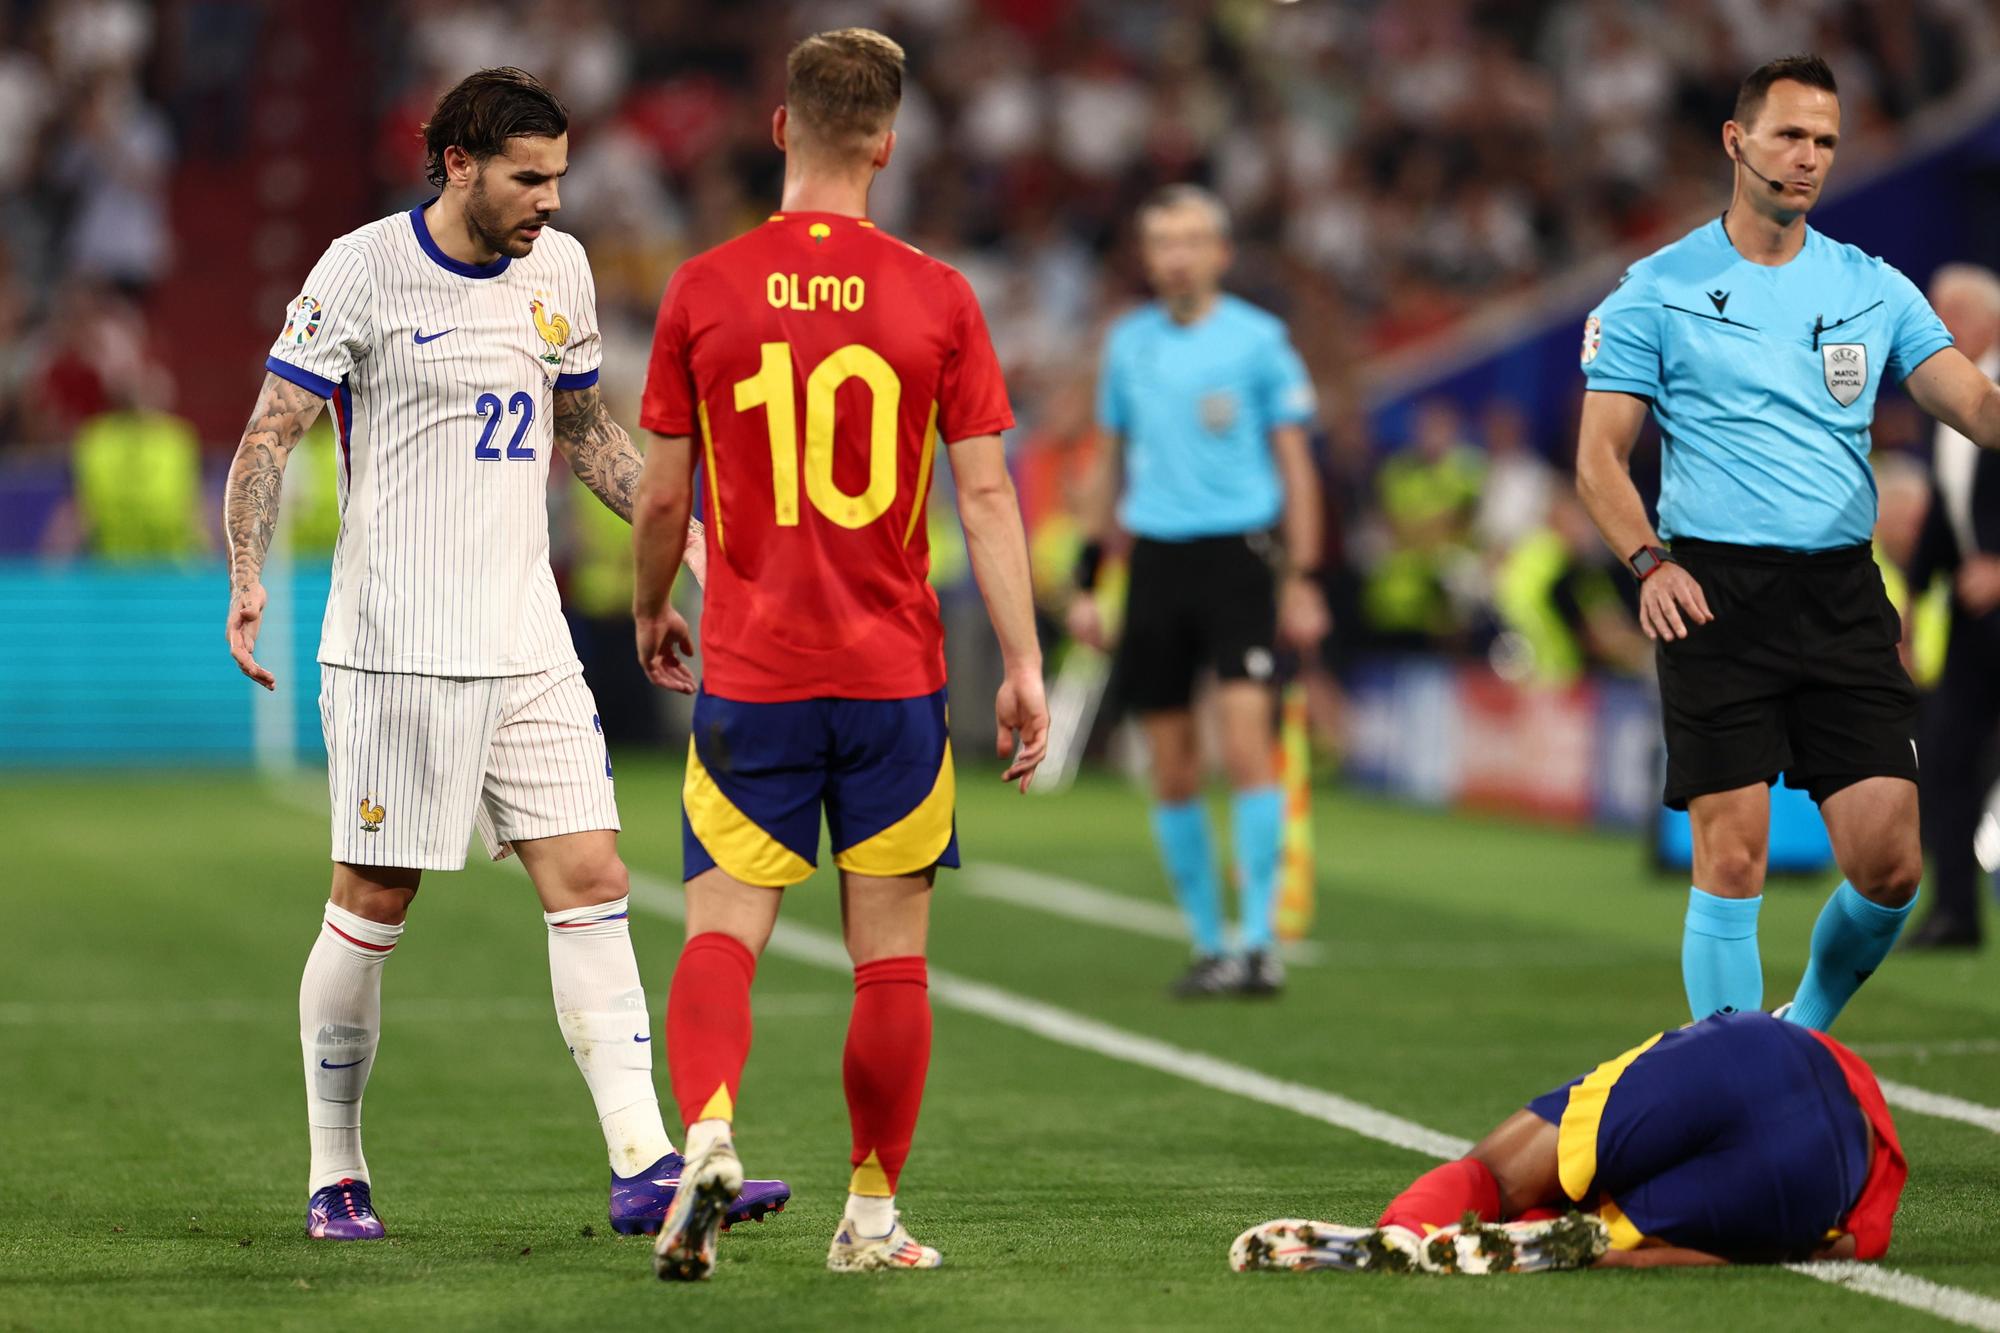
(817, 363)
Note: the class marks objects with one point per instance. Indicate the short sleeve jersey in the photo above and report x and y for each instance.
(1763, 380)
(441, 377)
(817, 363)
(1194, 406)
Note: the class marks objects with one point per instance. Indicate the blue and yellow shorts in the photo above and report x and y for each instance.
(1736, 1135)
(758, 776)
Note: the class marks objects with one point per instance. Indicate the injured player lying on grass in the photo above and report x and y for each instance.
(1738, 1139)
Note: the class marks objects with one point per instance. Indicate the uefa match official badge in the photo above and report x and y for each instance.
(553, 327)
(1846, 366)
(372, 815)
(302, 320)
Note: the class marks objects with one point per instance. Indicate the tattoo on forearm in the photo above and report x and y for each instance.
(256, 475)
(600, 452)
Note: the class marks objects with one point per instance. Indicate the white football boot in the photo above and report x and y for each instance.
(1475, 1248)
(1291, 1243)
(852, 1252)
(685, 1250)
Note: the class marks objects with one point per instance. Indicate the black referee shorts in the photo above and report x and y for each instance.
(1797, 674)
(1211, 602)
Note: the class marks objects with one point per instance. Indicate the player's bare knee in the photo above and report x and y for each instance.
(1893, 883)
(1520, 1152)
(1734, 872)
(602, 880)
(1247, 762)
(374, 893)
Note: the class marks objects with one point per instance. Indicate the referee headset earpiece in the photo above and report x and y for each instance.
(1736, 155)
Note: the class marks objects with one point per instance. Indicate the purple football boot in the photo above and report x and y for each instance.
(343, 1212)
(639, 1203)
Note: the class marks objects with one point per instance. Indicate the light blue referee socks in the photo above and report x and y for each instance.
(1719, 962)
(1182, 832)
(1849, 941)
(1256, 832)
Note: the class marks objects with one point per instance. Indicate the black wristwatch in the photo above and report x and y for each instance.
(1646, 561)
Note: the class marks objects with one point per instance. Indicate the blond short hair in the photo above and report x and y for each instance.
(844, 87)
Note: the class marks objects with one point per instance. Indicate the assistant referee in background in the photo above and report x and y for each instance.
(1204, 404)
(1759, 345)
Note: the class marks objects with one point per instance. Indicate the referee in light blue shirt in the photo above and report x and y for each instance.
(1759, 345)
(1205, 406)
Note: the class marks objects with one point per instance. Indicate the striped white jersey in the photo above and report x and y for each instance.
(441, 376)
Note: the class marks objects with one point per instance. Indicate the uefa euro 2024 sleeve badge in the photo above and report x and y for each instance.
(1846, 366)
(1593, 333)
(302, 321)
(553, 327)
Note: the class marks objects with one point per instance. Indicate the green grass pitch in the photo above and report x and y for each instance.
(152, 1173)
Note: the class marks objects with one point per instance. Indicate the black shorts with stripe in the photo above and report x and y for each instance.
(1797, 674)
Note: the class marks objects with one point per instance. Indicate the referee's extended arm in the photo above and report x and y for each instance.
(1669, 597)
(1949, 387)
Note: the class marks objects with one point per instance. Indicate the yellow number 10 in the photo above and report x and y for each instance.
(771, 389)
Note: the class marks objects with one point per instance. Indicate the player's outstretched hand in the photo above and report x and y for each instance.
(1022, 710)
(1085, 621)
(663, 644)
(246, 616)
(1670, 602)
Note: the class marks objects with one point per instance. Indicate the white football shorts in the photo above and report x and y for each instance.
(415, 763)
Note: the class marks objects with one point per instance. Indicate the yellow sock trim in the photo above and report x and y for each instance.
(870, 1180)
(720, 1106)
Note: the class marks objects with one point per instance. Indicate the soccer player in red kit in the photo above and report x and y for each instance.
(810, 369)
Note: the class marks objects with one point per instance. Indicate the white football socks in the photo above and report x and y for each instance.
(340, 1021)
(601, 1009)
(873, 1215)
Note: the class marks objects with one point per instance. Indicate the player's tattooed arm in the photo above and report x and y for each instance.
(600, 452)
(281, 418)
(604, 458)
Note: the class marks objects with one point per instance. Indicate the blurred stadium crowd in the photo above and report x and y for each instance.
(175, 167)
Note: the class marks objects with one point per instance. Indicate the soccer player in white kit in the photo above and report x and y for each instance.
(458, 344)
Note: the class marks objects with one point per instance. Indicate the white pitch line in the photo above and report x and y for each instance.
(1941, 1104)
(1889, 1284)
(802, 944)
(1081, 902)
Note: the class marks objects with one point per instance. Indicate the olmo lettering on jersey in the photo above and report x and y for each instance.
(787, 291)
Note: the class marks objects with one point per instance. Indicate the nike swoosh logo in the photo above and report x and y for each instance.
(419, 337)
(642, 1038)
(349, 1065)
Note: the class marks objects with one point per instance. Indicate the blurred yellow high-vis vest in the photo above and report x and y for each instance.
(138, 486)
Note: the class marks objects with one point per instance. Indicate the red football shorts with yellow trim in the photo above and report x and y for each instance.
(759, 776)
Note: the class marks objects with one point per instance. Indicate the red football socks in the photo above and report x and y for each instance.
(888, 1054)
(1443, 1196)
(708, 1025)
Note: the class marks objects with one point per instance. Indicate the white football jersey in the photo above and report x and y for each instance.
(441, 377)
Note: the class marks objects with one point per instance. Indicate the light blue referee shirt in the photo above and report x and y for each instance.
(1763, 381)
(1195, 406)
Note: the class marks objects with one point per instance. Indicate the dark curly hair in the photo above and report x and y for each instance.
(484, 110)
